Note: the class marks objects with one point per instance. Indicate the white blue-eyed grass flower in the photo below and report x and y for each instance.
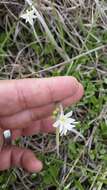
(63, 124)
(29, 16)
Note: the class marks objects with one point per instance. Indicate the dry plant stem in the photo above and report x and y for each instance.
(93, 183)
(100, 184)
(72, 168)
(50, 36)
(72, 59)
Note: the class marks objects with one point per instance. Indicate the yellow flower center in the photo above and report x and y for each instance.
(63, 119)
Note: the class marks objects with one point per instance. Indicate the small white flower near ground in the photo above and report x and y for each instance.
(65, 123)
(29, 16)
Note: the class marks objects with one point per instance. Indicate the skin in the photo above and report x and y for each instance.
(26, 108)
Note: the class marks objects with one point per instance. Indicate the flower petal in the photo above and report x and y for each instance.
(63, 132)
(56, 124)
(69, 114)
(23, 16)
(29, 2)
(70, 120)
(61, 128)
(70, 127)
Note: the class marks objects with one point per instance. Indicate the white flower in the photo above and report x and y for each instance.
(29, 16)
(65, 123)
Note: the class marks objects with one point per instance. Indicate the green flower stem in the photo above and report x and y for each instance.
(57, 141)
(36, 36)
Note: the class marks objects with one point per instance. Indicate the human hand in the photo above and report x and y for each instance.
(26, 107)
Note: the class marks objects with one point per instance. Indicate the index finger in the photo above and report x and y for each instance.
(18, 95)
